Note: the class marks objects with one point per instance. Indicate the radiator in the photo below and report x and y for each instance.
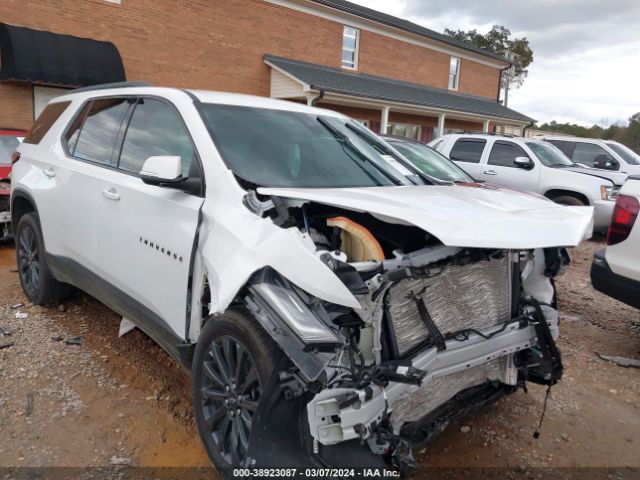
(476, 295)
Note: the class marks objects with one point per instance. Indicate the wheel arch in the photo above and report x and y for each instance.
(21, 202)
(558, 192)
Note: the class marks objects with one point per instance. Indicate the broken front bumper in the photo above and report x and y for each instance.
(489, 359)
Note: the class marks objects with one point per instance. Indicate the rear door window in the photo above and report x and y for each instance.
(503, 154)
(468, 150)
(95, 139)
(45, 121)
(155, 129)
(565, 146)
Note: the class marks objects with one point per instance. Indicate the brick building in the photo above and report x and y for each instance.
(393, 75)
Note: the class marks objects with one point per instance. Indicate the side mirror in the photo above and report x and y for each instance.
(523, 162)
(606, 162)
(162, 170)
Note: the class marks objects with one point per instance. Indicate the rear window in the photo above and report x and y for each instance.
(44, 122)
(468, 150)
(95, 138)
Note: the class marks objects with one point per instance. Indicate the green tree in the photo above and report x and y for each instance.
(631, 135)
(628, 135)
(498, 40)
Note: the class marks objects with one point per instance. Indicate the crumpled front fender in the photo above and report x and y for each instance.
(235, 243)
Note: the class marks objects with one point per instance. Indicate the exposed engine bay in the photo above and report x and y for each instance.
(438, 326)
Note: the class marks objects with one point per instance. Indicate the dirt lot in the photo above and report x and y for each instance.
(116, 400)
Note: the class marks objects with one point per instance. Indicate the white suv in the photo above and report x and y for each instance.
(535, 166)
(596, 153)
(616, 270)
(332, 302)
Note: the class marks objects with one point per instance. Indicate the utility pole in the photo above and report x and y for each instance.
(507, 75)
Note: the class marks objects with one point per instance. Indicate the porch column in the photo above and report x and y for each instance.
(485, 126)
(384, 120)
(310, 100)
(440, 130)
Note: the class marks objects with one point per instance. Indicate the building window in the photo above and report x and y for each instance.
(404, 130)
(454, 73)
(350, 47)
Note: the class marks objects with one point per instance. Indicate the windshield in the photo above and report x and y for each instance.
(431, 162)
(280, 148)
(625, 152)
(549, 155)
(8, 145)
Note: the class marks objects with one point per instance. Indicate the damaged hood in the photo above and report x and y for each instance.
(474, 215)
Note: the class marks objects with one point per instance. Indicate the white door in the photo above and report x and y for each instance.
(500, 167)
(467, 153)
(146, 233)
(70, 188)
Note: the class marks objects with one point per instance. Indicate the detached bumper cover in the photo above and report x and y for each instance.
(616, 286)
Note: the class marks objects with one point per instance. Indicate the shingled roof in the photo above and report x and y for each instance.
(334, 80)
(406, 25)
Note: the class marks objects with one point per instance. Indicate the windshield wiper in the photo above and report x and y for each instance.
(346, 141)
(388, 151)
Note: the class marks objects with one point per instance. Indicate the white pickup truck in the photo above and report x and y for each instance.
(616, 270)
(536, 166)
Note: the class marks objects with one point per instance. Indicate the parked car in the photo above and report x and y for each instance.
(9, 140)
(533, 165)
(334, 305)
(428, 160)
(596, 153)
(616, 270)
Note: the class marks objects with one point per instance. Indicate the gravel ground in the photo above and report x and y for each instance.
(100, 400)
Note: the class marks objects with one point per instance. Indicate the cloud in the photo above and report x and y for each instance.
(586, 52)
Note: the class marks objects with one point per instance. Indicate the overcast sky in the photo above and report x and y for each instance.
(586, 66)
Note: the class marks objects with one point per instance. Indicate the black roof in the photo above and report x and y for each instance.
(381, 88)
(47, 58)
(405, 25)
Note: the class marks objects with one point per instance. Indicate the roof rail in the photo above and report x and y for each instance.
(493, 134)
(104, 86)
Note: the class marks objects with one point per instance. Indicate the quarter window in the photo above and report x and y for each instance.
(468, 150)
(454, 73)
(96, 138)
(350, 40)
(155, 129)
(45, 121)
(503, 154)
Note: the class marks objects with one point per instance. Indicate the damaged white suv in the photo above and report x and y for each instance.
(335, 305)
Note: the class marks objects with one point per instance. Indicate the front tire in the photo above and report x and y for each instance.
(35, 277)
(569, 200)
(233, 362)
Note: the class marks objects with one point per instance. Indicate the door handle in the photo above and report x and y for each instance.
(111, 193)
(49, 172)
(490, 172)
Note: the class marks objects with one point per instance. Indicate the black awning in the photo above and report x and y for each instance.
(47, 58)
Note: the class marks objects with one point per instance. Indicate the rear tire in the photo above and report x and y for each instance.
(31, 258)
(569, 200)
(233, 362)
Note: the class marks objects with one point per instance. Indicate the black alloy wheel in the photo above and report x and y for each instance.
(28, 260)
(230, 392)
